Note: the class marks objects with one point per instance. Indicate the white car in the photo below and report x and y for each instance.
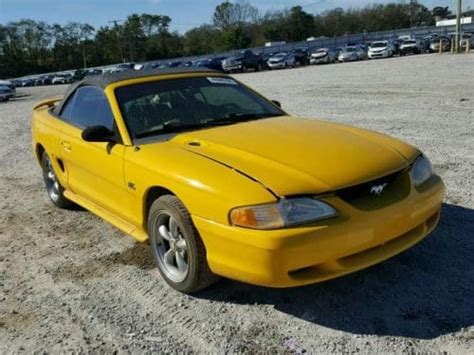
(281, 60)
(380, 49)
(61, 79)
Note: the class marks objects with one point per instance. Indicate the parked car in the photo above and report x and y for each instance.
(363, 49)
(396, 46)
(466, 38)
(350, 53)
(122, 67)
(175, 64)
(282, 60)
(92, 72)
(380, 49)
(266, 56)
(222, 182)
(9, 84)
(410, 46)
(425, 44)
(211, 63)
(444, 42)
(243, 61)
(62, 79)
(323, 55)
(79, 74)
(6, 92)
(151, 65)
(43, 80)
(27, 82)
(301, 56)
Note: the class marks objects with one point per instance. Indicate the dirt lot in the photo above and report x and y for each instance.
(69, 281)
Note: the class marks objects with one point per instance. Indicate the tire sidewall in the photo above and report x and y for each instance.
(188, 232)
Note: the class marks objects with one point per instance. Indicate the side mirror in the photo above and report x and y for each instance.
(277, 103)
(97, 134)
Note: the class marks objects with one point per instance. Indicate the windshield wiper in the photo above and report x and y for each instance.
(175, 127)
(171, 128)
(241, 117)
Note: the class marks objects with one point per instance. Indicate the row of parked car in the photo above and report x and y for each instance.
(248, 60)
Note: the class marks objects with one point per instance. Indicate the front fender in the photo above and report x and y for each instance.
(207, 189)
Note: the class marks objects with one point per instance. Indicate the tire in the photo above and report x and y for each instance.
(53, 187)
(174, 240)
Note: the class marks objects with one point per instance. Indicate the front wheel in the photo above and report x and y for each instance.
(53, 186)
(177, 247)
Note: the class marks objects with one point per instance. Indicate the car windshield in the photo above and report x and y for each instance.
(409, 42)
(378, 44)
(168, 106)
(349, 49)
(279, 55)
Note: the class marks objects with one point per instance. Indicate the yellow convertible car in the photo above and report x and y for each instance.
(222, 182)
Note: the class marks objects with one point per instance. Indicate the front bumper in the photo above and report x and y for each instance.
(348, 59)
(319, 60)
(276, 65)
(409, 50)
(373, 55)
(323, 250)
(231, 68)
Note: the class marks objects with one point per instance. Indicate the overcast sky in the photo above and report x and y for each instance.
(185, 14)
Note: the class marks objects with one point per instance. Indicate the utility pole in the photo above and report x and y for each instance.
(458, 27)
(115, 22)
(84, 55)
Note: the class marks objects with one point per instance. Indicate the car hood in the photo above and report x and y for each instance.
(291, 156)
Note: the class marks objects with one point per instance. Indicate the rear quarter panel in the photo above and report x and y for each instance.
(46, 130)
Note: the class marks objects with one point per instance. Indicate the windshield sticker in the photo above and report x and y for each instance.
(217, 80)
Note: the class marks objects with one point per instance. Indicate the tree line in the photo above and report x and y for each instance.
(28, 46)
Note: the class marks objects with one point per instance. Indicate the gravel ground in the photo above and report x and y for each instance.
(71, 282)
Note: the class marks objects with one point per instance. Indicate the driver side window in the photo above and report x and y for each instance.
(88, 106)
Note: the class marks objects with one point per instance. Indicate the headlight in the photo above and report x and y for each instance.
(284, 213)
(421, 170)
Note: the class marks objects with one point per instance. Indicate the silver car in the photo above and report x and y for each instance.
(351, 53)
(281, 60)
(323, 55)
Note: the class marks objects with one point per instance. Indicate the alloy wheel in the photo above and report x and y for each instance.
(52, 184)
(171, 248)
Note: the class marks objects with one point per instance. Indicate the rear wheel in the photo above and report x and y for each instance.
(53, 186)
(177, 247)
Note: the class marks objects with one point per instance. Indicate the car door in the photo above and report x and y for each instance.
(94, 169)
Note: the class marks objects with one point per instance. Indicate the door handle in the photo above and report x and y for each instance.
(66, 146)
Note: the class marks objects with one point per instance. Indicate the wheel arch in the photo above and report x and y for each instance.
(151, 194)
(39, 150)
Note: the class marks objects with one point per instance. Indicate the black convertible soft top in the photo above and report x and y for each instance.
(106, 79)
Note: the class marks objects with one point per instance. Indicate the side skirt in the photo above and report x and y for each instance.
(116, 221)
